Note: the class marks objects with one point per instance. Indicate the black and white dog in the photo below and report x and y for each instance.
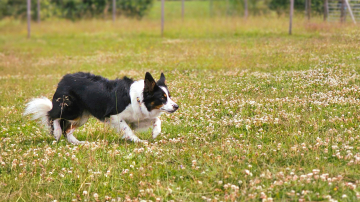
(122, 102)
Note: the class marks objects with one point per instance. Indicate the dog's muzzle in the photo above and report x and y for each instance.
(174, 108)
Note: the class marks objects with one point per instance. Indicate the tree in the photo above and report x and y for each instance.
(75, 9)
(281, 6)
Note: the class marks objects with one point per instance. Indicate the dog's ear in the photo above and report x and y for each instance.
(149, 83)
(161, 81)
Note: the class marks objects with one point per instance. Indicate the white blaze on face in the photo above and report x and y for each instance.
(170, 105)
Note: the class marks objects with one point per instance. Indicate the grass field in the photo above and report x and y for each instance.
(263, 115)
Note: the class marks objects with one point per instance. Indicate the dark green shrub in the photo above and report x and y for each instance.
(75, 9)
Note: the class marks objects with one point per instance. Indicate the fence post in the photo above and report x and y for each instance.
(342, 11)
(38, 11)
(113, 10)
(227, 7)
(162, 17)
(309, 9)
(28, 17)
(246, 9)
(325, 9)
(182, 9)
(291, 16)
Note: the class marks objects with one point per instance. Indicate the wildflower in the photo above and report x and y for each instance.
(193, 162)
(14, 163)
(316, 171)
(247, 172)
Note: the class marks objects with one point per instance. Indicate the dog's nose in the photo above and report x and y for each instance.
(176, 106)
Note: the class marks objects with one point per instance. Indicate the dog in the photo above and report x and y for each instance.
(124, 103)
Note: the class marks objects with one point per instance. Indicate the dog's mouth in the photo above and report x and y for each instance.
(168, 111)
(171, 109)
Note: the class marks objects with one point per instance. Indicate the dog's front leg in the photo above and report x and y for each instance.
(121, 126)
(157, 128)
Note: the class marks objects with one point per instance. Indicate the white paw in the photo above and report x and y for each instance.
(156, 131)
(70, 138)
(79, 142)
(76, 142)
(132, 138)
(138, 140)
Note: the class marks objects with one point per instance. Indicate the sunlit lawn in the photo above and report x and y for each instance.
(263, 115)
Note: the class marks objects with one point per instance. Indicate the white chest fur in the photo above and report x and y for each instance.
(136, 111)
(137, 115)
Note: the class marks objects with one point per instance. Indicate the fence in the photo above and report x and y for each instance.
(343, 10)
(333, 10)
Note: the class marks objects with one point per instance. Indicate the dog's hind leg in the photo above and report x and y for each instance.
(71, 125)
(70, 137)
(57, 129)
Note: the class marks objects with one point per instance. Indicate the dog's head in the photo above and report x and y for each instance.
(157, 96)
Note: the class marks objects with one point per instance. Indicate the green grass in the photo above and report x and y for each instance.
(259, 110)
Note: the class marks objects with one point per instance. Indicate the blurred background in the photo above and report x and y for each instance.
(332, 10)
(101, 35)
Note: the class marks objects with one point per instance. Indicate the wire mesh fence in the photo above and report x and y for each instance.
(338, 9)
(81, 9)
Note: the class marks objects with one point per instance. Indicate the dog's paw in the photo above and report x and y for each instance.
(132, 138)
(156, 131)
(80, 142)
(136, 140)
(145, 142)
(77, 142)
(71, 139)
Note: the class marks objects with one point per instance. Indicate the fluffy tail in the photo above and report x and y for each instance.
(39, 108)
